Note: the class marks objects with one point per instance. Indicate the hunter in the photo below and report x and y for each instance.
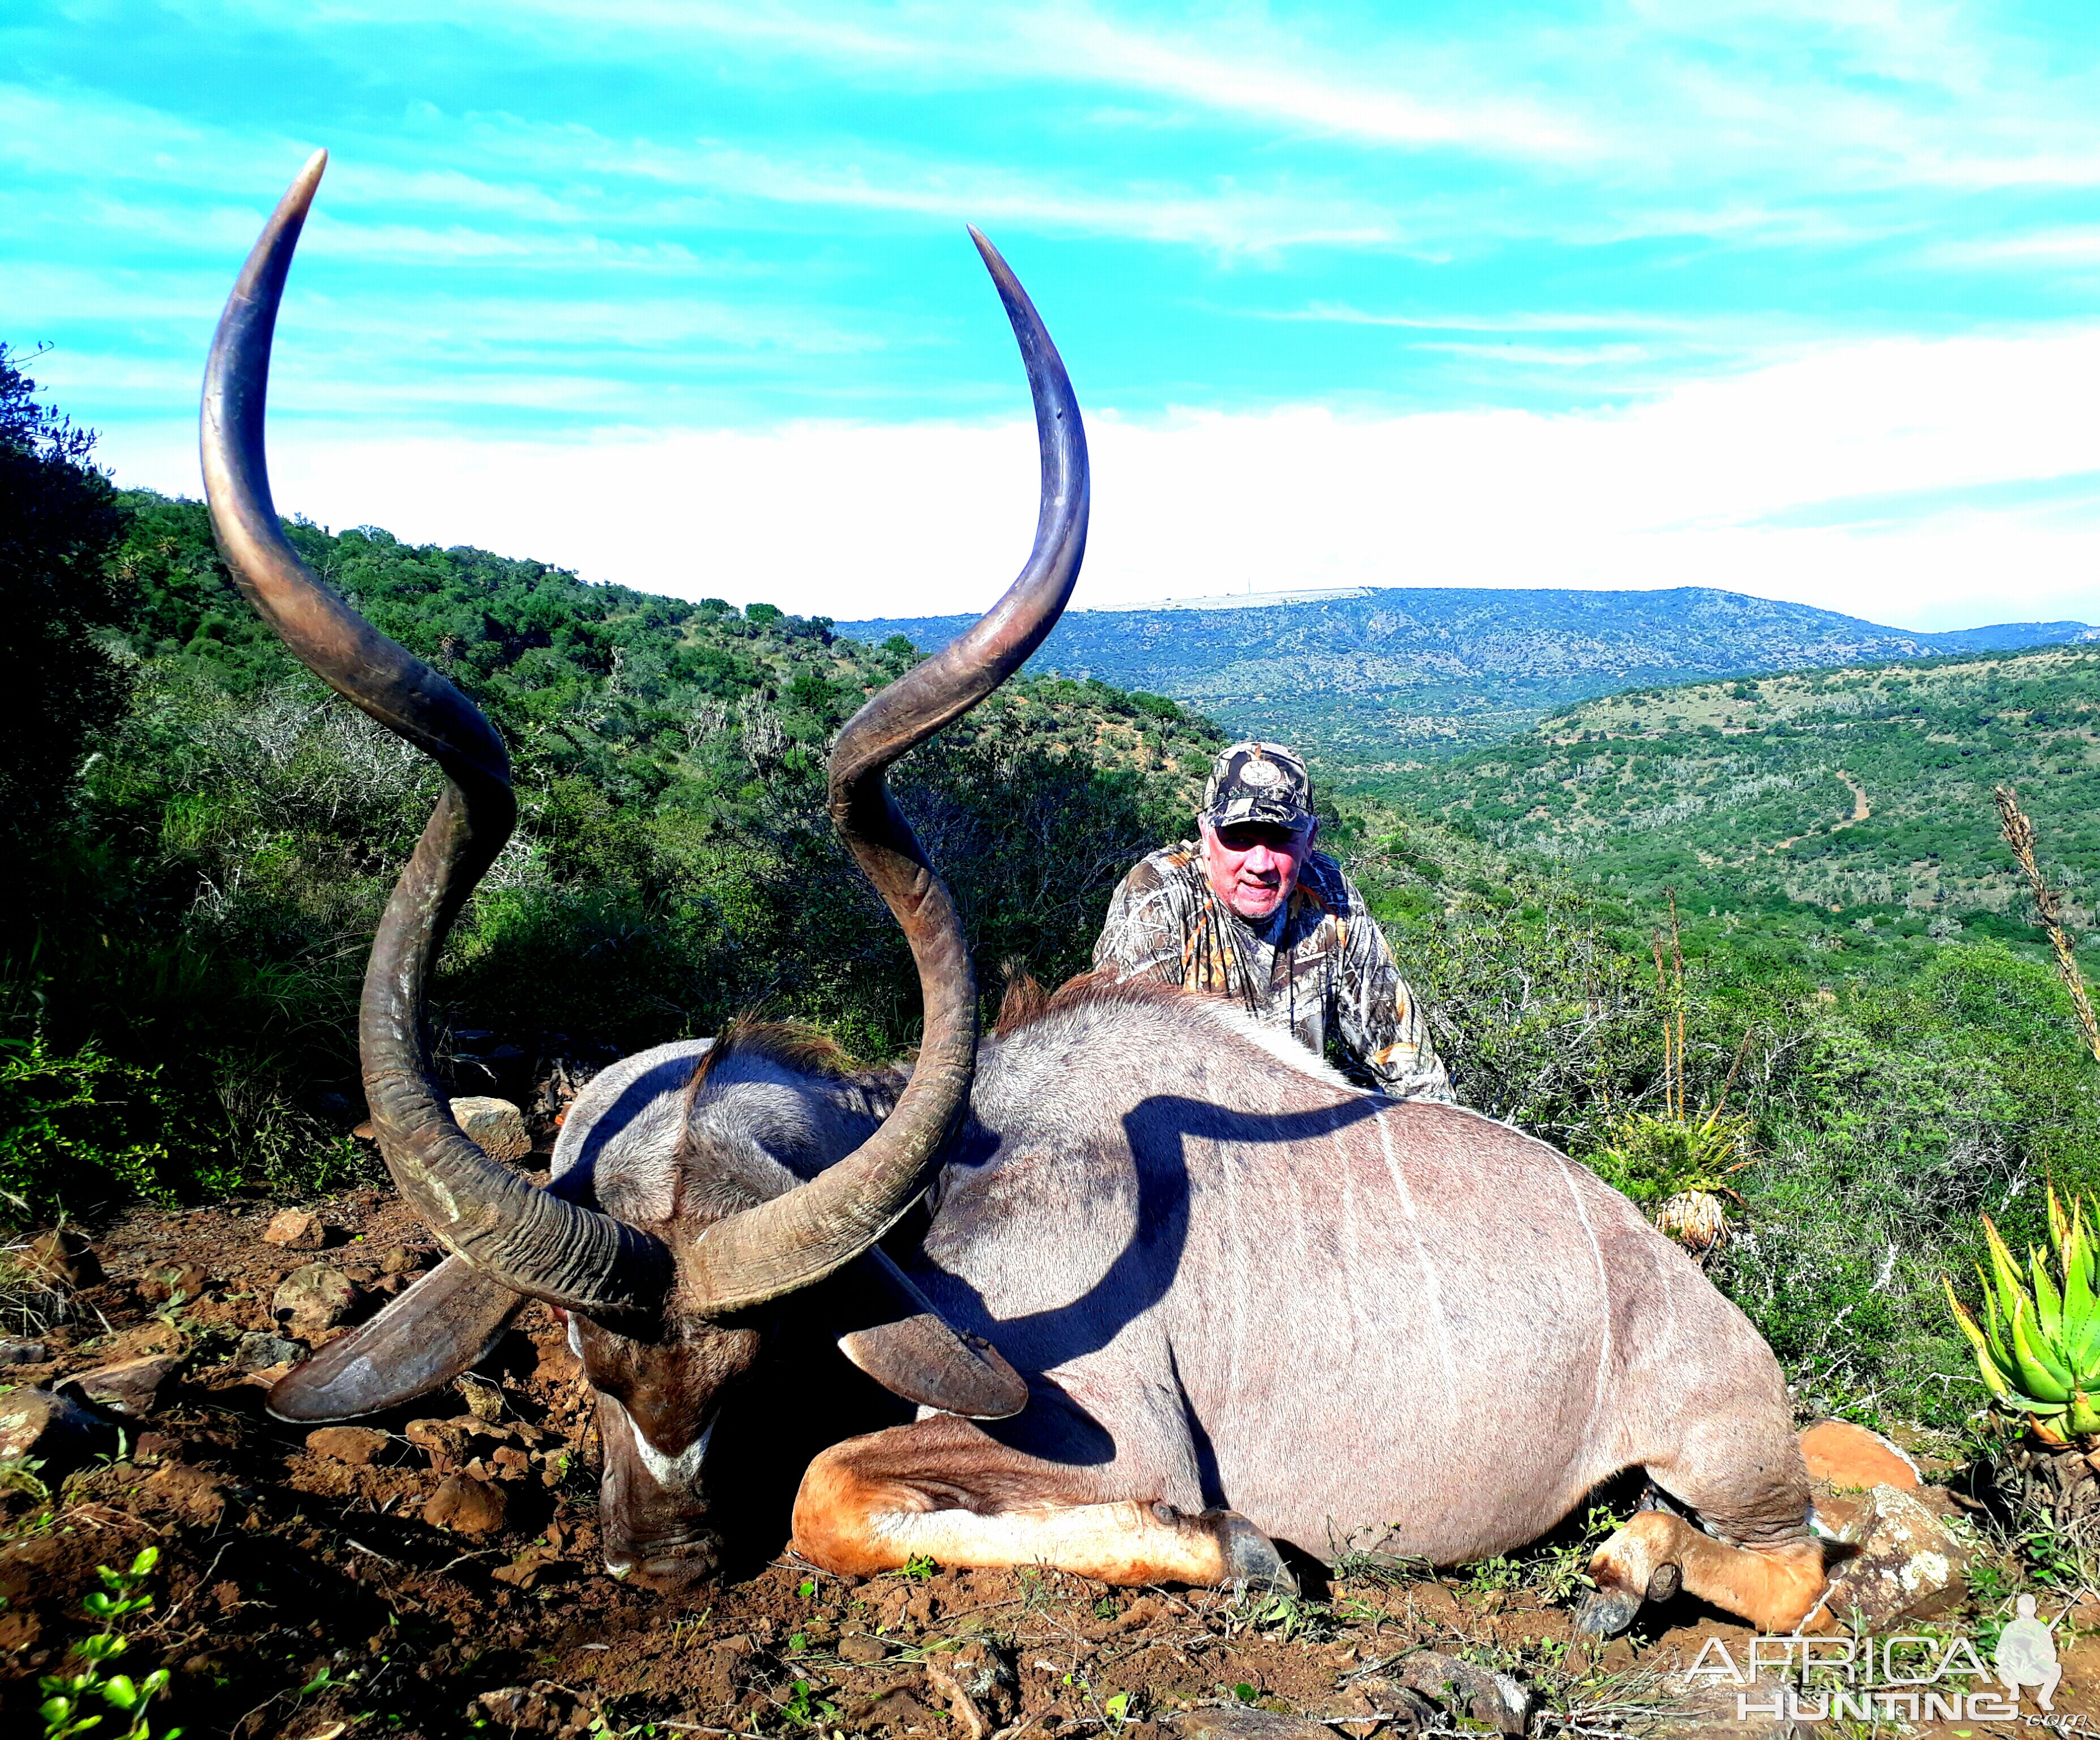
(1253, 910)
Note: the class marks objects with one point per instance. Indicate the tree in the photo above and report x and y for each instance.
(59, 523)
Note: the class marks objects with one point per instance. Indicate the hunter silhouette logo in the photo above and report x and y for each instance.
(2026, 1654)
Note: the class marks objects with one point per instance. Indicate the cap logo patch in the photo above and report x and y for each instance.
(1261, 773)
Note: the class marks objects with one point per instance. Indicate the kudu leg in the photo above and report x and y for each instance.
(943, 1490)
(1658, 1552)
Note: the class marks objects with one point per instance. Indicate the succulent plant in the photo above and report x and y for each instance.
(2038, 1347)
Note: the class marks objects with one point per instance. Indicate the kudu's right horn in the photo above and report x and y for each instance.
(533, 1241)
(540, 1243)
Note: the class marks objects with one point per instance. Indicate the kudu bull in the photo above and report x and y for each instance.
(1178, 1293)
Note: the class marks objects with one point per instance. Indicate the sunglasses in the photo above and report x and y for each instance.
(1241, 836)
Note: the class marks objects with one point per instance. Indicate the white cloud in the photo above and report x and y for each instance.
(1690, 488)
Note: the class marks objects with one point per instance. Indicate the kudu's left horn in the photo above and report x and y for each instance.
(533, 1241)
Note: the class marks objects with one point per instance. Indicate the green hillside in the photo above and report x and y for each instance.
(1851, 808)
(1370, 678)
(189, 949)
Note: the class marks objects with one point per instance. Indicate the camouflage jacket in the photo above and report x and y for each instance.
(1320, 968)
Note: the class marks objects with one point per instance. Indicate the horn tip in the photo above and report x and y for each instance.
(993, 259)
(301, 193)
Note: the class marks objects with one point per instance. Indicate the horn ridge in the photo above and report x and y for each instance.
(535, 1242)
(795, 1240)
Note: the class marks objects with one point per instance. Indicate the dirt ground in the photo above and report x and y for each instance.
(301, 1590)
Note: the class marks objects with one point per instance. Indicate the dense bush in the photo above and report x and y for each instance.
(209, 894)
(59, 522)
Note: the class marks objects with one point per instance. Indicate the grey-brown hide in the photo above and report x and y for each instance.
(1231, 1280)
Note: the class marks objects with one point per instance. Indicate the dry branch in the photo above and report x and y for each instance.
(2049, 903)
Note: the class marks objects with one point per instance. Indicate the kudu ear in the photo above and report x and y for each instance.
(891, 1331)
(433, 1332)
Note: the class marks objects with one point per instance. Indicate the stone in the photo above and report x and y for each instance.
(175, 1281)
(1246, 1724)
(545, 1709)
(314, 1298)
(400, 1259)
(443, 1442)
(985, 1672)
(536, 1567)
(60, 1432)
(497, 1126)
(1852, 1459)
(1492, 1700)
(129, 1389)
(483, 1399)
(14, 1352)
(295, 1229)
(1908, 1566)
(466, 1506)
(259, 1350)
(62, 1257)
(358, 1445)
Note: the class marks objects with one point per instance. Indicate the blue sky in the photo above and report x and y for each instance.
(1803, 299)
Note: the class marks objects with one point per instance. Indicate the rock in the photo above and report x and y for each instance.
(1853, 1458)
(483, 1399)
(497, 1125)
(1493, 1700)
(61, 1431)
(62, 1257)
(176, 1281)
(314, 1298)
(259, 1350)
(1246, 1724)
(295, 1229)
(130, 1389)
(861, 1649)
(358, 1445)
(466, 1506)
(445, 1443)
(986, 1673)
(14, 1352)
(536, 1567)
(1908, 1567)
(545, 1709)
(400, 1259)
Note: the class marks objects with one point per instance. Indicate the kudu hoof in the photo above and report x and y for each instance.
(1250, 1556)
(1605, 1613)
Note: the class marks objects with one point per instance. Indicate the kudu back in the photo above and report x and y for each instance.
(1177, 1292)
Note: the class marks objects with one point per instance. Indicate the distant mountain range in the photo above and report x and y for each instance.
(1375, 677)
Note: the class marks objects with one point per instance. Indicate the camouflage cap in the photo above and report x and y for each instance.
(1257, 782)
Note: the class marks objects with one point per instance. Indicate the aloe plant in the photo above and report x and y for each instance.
(2038, 1347)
